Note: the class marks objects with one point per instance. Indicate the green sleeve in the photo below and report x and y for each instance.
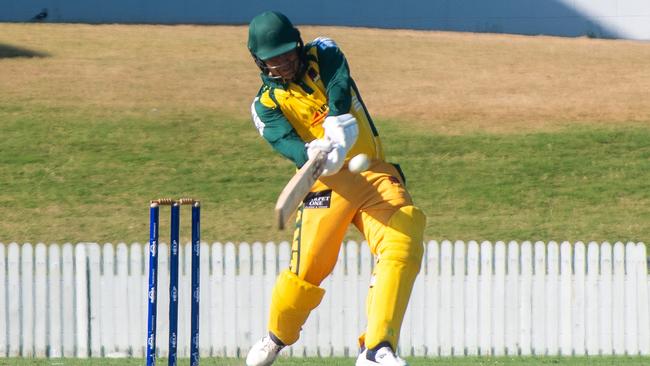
(278, 132)
(335, 74)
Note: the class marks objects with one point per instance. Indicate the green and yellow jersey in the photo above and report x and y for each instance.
(288, 115)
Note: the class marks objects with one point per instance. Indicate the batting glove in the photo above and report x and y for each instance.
(335, 154)
(342, 129)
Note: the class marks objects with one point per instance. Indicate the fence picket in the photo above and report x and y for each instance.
(3, 301)
(538, 336)
(163, 299)
(458, 299)
(54, 299)
(121, 306)
(578, 306)
(618, 303)
(471, 299)
(485, 299)
(230, 307)
(432, 298)
(40, 300)
(94, 277)
(592, 300)
(204, 298)
(217, 300)
(512, 300)
(13, 285)
(643, 315)
(81, 301)
(498, 299)
(631, 321)
(566, 286)
(284, 256)
(68, 323)
(525, 295)
(144, 302)
(445, 334)
(27, 298)
(135, 291)
(552, 297)
(244, 299)
(257, 327)
(605, 296)
(107, 318)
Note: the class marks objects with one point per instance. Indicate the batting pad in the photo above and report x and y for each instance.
(399, 257)
(291, 302)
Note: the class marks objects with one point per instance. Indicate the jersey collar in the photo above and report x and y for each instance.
(273, 82)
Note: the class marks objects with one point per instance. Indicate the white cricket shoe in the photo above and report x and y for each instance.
(383, 356)
(263, 353)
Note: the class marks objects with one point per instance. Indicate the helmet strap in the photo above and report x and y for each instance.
(261, 64)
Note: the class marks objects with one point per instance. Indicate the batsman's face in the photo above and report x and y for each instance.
(285, 65)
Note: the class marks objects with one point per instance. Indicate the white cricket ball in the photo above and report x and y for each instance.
(359, 163)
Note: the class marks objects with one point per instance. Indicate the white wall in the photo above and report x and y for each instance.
(628, 19)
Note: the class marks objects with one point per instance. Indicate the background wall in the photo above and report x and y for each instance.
(628, 19)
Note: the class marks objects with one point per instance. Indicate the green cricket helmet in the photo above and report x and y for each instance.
(271, 34)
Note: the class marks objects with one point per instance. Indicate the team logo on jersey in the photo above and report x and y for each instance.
(320, 199)
(319, 115)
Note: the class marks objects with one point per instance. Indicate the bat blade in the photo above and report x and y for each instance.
(297, 188)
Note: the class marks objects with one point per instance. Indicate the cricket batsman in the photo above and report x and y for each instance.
(308, 103)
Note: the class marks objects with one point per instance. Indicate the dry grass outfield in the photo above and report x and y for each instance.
(447, 82)
(97, 119)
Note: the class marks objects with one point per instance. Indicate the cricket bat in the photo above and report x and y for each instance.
(297, 188)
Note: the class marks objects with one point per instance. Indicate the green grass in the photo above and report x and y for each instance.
(575, 184)
(469, 361)
(87, 174)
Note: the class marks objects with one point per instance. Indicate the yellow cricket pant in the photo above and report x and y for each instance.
(378, 204)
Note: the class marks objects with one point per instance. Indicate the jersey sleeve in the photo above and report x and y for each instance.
(278, 132)
(335, 74)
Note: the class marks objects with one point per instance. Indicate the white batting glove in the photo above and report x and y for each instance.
(342, 129)
(335, 154)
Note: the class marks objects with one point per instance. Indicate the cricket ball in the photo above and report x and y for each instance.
(359, 163)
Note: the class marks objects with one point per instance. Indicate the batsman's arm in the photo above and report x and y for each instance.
(335, 72)
(274, 127)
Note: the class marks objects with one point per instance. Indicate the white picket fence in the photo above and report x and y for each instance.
(470, 299)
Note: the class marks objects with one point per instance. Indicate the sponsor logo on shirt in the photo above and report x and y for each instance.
(320, 199)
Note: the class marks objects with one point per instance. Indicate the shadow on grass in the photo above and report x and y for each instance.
(9, 51)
